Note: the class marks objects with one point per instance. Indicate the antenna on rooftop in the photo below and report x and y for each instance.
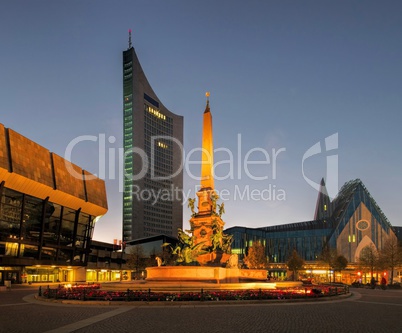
(129, 39)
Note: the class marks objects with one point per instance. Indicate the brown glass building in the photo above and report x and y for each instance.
(48, 210)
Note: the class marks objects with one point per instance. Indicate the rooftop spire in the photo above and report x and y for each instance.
(323, 206)
(129, 39)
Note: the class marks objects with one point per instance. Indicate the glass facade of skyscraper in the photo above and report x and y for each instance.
(153, 177)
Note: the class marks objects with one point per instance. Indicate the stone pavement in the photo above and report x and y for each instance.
(365, 311)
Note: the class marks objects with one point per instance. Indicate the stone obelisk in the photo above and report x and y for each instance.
(207, 158)
(206, 193)
(206, 222)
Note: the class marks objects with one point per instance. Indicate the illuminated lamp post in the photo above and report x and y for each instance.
(359, 276)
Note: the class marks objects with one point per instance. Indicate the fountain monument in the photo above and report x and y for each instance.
(204, 252)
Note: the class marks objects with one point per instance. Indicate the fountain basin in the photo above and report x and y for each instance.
(204, 273)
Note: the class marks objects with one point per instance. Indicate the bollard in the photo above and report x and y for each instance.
(40, 291)
(48, 292)
(202, 295)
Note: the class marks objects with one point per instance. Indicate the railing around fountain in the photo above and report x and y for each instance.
(83, 293)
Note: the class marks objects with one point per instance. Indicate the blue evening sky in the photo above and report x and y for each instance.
(283, 76)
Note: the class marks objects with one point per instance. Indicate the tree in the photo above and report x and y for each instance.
(328, 257)
(340, 264)
(136, 259)
(391, 256)
(256, 258)
(295, 263)
(368, 259)
(334, 261)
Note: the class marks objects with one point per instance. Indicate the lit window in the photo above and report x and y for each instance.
(162, 145)
(155, 113)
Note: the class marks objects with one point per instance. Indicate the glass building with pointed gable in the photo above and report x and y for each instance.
(349, 223)
(153, 175)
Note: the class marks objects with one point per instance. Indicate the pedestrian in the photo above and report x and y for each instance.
(372, 283)
(383, 283)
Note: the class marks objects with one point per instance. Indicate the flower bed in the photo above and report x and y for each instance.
(86, 293)
(81, 286)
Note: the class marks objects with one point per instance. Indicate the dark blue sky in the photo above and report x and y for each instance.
(283, 75)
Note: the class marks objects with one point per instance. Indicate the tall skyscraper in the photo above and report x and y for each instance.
(153, 137)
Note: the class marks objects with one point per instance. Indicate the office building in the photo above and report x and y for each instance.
(153, 176)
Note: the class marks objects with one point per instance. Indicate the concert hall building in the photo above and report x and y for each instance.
(48, 210)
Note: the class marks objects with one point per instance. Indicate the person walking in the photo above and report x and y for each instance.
(373, 283)
(383, 283)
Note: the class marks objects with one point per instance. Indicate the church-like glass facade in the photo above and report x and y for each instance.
(346, 225)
